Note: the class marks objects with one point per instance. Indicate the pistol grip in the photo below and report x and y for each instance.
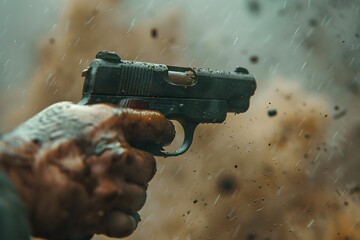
(189, 129)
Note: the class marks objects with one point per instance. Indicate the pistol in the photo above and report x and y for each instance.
(188, 95)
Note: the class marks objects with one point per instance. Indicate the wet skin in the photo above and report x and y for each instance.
(77, 171)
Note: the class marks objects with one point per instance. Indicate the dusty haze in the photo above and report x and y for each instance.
(290, 176)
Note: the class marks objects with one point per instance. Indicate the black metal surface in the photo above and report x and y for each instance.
(207, 99)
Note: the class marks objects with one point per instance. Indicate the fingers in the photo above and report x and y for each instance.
(129, 164)
(113, 224)
(119, 220)
(114, 216)
(127, 197)
(123, 178)
(118, 173)
(131, 198)
(138, 126)
(140, 167)
(119, 224)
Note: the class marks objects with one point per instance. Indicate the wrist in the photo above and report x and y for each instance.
(10, 152)
(6, 152)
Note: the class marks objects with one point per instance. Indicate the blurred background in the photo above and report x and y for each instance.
(289, 175)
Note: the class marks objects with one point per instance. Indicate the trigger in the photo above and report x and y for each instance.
(189, 129)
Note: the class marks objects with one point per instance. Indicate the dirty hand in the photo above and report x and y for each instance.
(77, 170)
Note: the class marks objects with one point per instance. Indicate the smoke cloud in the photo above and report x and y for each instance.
(287, 168)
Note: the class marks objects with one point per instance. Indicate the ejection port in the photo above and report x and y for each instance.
(187, 78)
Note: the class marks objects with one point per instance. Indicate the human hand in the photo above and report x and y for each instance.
(77, 170)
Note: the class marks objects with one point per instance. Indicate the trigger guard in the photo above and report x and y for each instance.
(189, 129)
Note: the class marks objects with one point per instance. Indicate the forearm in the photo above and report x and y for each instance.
(13, 214)
(16, 163)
